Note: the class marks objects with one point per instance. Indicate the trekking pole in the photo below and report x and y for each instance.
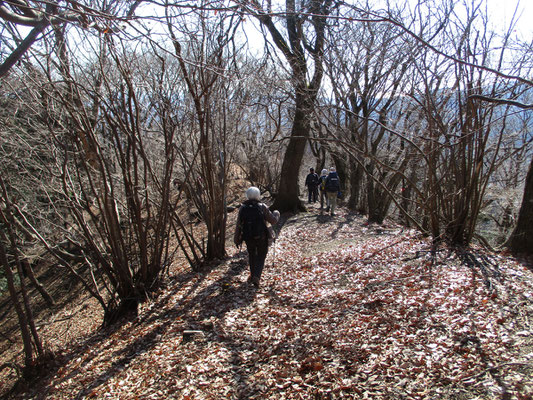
(274, 255)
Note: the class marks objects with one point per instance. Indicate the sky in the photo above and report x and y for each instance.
(501, 12)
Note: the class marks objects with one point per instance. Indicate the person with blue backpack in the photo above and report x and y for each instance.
(252, 229)
(333, 188)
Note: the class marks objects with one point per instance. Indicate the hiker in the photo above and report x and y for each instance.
(311, 181)
(252, 229)
(322, 187)
(333, 188)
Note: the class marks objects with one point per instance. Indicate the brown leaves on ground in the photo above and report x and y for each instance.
(344, 311)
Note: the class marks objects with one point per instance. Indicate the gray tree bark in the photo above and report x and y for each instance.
(521, 240)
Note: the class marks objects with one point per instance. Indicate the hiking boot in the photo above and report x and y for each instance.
(255, 281)
(327, 209)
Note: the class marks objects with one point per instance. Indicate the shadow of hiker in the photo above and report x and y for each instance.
(323, 218)
(227, 293)
(302, 218)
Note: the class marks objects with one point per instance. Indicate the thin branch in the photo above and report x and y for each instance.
(17, 54)
(437, 51)
(502, 101)
(17, 18)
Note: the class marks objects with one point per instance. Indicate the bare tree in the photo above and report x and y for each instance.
(520, 240)
(25, 153)
(114, 134)
(206, 66)
(465, 138)
(303, 49)
(453, 144)
(41, 16)
(266, 117)
(33, 347)
(366, 79)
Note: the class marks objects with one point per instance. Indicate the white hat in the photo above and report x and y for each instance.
(332, 169)
(253, 193)
(324, 172)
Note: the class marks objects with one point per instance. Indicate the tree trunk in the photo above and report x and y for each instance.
(373, 197)
(28, 271)
(375, 200)
(406, 198)
(23, 321)
(294, 46)
(342, 171)
(521, 240)
(287, 197)
(356, 201)
(24, 312)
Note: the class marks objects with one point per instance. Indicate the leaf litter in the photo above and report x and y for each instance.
(345, 310)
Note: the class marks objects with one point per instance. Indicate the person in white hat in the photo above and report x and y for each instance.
(252, 229)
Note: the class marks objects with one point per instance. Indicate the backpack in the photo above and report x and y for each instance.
(332, 183)
(253, 226)
(322, 183)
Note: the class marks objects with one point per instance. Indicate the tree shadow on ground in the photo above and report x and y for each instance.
(316, 215)
(349, 218)
(193, 309)
(65, 289)
(215, 300)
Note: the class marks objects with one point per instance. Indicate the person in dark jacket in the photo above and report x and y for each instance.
(333, 188)
(254, 232)
(311, 181)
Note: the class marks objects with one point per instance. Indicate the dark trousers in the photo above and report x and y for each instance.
(323, 199)
(313, 193)
(257, 252)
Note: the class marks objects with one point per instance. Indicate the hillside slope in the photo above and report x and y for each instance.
(344, 311)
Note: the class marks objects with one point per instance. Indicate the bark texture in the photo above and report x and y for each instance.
(521, 240)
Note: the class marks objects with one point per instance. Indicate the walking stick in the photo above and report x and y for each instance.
(274, 255)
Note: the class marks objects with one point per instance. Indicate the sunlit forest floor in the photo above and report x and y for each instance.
(344, 310)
